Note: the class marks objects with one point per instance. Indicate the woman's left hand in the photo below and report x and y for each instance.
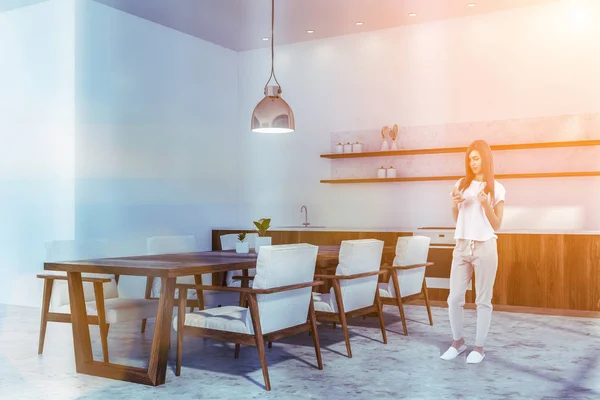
(483, 198)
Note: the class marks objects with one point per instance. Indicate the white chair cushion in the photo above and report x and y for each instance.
(321, 302)
(60, 291)
(383, 290)
(119, 310)
(216, 298)
(190, 280)
(356, 257)
(410, 282)
(284, 265)
(212, 298)
(228, 318)
(410, 250)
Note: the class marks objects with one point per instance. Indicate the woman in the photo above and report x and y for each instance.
(477, 208)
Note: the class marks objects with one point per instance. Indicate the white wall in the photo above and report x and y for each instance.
(114, 129)
(36, 138)
(156, 150)
(501, 71)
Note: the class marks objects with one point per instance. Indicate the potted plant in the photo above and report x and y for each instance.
(241, 246)
(262, 225)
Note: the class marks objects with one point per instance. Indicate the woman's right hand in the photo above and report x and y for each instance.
(456, 198)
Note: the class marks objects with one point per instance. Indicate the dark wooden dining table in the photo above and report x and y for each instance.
(166, 267)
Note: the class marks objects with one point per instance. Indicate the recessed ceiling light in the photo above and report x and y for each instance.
(471, 5)
(265, 38)
(310, 31)
(412, 14)
(359, 23)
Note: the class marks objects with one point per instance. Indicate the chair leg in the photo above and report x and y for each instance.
(426, 294)
(180, 328)
(199, 295)
(380, 316)
(399, 302)
(270, 344)
(237, 351)
(99, 295)
(260, 344)
(45, 309)
(147, 295)
(338, 297)
(334, 325)
(312, 320)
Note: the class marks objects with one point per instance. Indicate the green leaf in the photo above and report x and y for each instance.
(262, 225)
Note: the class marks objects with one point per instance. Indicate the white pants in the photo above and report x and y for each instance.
(469, 256)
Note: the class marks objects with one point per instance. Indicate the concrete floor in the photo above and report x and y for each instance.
(528, 357)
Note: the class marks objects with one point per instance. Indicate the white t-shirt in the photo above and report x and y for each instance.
(472, 223)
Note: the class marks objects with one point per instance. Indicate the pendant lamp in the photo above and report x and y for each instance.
(272, 114)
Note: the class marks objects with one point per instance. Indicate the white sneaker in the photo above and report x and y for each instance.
(453, 352)
(475, 357)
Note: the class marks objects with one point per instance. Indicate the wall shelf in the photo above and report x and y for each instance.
(443, 150)
(457, 177)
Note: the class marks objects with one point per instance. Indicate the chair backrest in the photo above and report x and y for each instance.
(73, 250)
(171, 245)
(356, 257)
(410, 250)
(283, 265)
(229, 240)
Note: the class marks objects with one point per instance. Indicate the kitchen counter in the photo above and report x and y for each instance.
(545, 268)
(405, 229)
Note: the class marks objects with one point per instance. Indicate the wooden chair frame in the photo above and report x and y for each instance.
(258, 338)
(99, 319)
(398, 301)
(342, 316)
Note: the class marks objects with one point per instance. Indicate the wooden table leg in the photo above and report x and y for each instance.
(157, 368)
(82, 343)
(85, 364)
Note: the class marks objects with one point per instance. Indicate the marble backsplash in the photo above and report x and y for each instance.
(514, 131)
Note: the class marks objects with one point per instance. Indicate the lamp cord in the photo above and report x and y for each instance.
(272, 50)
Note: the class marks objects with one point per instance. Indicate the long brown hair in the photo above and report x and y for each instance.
(487, 167)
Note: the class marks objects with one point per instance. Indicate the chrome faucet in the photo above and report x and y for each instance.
(305, 223)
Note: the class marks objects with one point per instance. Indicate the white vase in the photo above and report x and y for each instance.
(261, 241)
(394, 147)
(385, 146)
(242, 247)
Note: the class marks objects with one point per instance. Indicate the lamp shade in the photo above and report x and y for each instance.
(272, 114)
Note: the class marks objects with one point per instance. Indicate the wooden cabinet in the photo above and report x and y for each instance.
(554, 271)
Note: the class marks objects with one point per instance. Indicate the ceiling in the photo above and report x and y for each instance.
(240, 24)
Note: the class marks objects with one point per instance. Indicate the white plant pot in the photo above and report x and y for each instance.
(261, 241)
(242, 247)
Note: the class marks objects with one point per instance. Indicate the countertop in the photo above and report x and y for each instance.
(350, 229)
